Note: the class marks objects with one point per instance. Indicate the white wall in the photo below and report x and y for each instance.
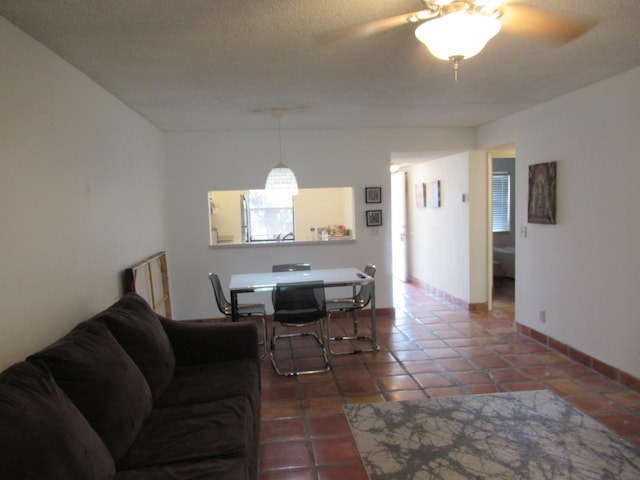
(227, 217)
(448, 245)
(199, 162)
(583, 271)
(320, 208)
(82, 195)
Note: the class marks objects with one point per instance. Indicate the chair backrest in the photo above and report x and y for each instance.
(364, 295)
(298, 303)
(223, 304)
(287, 267)
(370, 270)
(290, 267)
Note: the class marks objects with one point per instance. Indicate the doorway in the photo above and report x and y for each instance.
(399, 225)
(503, 225)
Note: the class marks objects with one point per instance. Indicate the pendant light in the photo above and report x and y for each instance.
(281, 177)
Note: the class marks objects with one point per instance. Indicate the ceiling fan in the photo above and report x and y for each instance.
(454, 30)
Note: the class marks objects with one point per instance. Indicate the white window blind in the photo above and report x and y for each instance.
(501, 202)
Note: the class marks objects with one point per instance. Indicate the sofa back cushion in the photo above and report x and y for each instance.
(137, 328)
(102, 381)
(43, 434)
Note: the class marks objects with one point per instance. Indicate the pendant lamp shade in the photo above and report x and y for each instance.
(281, 178)
(458, 35)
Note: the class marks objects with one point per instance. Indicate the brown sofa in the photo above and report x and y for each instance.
(129, 395)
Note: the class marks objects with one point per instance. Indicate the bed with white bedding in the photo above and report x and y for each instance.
(506, 257)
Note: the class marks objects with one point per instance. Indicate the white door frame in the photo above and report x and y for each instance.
(399, 218)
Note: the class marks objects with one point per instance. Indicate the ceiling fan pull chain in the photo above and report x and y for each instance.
(456, 66)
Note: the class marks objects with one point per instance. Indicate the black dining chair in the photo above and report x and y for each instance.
(244, 309)
(351, 305)
(299, 305)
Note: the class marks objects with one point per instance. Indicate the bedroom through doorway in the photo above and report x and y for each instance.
(503, 228)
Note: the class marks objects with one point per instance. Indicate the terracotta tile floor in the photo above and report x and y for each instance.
(431, 348)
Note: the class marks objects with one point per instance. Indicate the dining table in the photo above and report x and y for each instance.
(330, 277)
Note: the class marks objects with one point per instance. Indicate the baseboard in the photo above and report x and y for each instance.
(609, 371)
(447, 297)
(386, 312)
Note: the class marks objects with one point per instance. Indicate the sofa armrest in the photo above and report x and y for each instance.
(196, 342)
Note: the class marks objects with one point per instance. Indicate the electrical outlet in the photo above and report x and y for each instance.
(542, 316)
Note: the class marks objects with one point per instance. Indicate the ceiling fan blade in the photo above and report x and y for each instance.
(543, 25)
(375, 26)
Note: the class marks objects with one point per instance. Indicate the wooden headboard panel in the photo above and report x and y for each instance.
(150, 280)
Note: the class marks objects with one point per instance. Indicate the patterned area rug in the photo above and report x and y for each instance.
(514, 436)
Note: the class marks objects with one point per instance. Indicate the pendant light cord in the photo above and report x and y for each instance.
(278, 114)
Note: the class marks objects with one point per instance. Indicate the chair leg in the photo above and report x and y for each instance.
(355, 336)
(355, 323)
(295, 372)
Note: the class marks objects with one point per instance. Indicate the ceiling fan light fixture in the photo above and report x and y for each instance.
(458, 35)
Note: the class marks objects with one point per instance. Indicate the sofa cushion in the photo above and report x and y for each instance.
(222, 429)
(43, 434)
(215, 381)
(102, 381)
(211, 469)
(137, 328)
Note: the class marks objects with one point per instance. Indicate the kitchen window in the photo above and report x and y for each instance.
(270, 216)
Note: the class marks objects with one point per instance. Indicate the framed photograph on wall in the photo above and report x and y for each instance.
(542, 193)
(374, 218)
(433, 194)
(373, 194)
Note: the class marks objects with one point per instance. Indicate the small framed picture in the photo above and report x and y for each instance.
(433, 194)
(374, 218)
(373, 194)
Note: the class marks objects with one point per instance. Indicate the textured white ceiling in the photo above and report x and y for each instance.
(222, 64)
